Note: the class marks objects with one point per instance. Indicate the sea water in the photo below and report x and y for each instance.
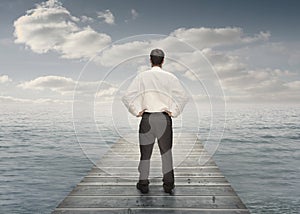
(45, 152)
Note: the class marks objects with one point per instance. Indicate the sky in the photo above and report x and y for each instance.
(233, 51)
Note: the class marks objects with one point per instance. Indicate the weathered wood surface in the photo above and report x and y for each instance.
(109, 187)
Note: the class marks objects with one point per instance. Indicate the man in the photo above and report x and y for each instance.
(156, 96)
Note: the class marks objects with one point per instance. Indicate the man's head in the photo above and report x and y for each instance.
(157, 57)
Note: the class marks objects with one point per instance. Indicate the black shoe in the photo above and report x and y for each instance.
(168, 188)
(144, 188)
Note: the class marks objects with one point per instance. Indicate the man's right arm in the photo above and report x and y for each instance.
(130, 98)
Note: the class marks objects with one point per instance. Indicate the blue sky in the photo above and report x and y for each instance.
(252, 45)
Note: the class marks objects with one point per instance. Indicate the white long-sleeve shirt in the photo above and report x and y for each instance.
(155, 90)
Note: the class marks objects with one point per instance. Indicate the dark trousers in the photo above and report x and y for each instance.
(156, 125)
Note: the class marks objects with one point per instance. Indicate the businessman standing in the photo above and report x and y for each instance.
(157, 96)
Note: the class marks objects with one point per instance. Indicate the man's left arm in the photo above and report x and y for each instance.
(180, 98)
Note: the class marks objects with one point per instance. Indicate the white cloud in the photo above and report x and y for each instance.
(51, 27)
(237, 78)
(86, 19)
(174, 44)
(278, 97)
(271, 54)
(106, 92)
(192, 65)
(134, 14)
(106, 16)
(54, 83)
(84, 44)
(15, 100)
(119, 52)
(212, 37)
(254, 82)
(225, 65)
(66, 86)
(242, 83)
(190, 75)
(10, 99)
(5, 79)
(294, 85)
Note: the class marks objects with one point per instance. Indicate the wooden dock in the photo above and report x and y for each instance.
(110, 186)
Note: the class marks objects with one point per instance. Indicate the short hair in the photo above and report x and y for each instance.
(156, 60)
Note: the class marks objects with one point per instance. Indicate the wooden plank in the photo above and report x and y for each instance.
(157, 167)
(128, 163)
(178, 141)
(156, 162)
(148, 211)
(175, 151)
(156, 148)
(136, 157)
(135, 174)
(187, 146)
(181, 151)
(126, 170)
(153, 184)
(187, 180)
(127, 190)
(155, 171)
(135, 153)
(217, 202)
(177, 159)
(177, 176)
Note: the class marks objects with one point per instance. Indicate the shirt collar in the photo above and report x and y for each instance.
(156, 68)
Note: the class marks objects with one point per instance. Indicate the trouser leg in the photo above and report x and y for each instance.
(146, 140)
(165, 143)
(144, 165)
